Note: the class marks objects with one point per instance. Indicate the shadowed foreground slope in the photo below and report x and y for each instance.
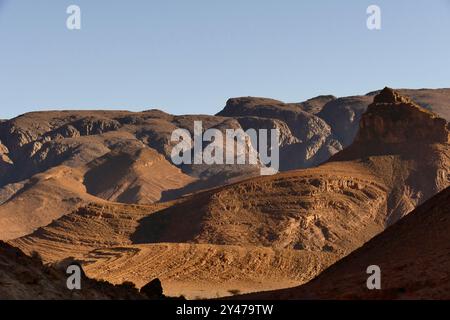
(24, 277)
(413, 254)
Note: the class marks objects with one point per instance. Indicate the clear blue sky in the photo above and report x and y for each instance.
(190, 56)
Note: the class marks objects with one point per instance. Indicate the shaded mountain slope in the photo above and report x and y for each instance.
(133, 175)
(24, 277)
(314, 142)
(45, 197)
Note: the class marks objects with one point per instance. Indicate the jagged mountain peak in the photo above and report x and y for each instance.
(393, 118)
(389, 95)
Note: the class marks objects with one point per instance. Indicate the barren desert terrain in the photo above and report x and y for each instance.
(100, 187)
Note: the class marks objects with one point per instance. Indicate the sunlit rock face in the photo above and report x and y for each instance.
(393, 118)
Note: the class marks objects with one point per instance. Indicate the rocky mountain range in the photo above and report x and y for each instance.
(100, 187)
(52, 162)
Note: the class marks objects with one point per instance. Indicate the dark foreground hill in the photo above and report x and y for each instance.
(413, 255)
(24, 277)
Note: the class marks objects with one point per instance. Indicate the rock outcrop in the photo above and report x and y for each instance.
(407, 146)
(153, 289)
(5, 162)
(396, 119)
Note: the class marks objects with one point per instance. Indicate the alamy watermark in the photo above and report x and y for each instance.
(74, 279)
(374, 20)
(73, 21)
(374, 280)
(237, 147)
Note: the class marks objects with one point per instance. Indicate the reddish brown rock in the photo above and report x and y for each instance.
(394, 119)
